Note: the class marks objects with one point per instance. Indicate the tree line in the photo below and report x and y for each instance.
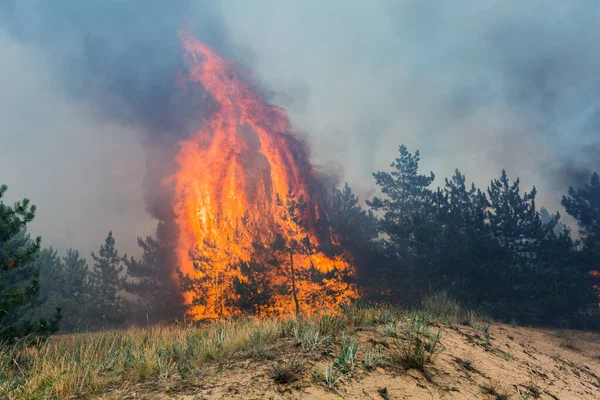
(491, 249)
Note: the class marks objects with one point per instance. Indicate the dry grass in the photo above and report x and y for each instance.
(84, 364)
(419, 346)
(335, 348)
(568, 339)
(289, 371)
(496, 390)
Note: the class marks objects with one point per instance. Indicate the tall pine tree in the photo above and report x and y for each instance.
(517, 229)
(109, 307)
(583, 204)
(19, 279)
(355, 231)
(254, 290)
(64, 283)
(150, 280)
(464, 245)
(408, 223)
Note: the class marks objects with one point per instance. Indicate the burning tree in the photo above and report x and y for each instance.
(290, 244)
(284, 272)
(292, 256)
(211, 283)
(237, 167)
(254, 292)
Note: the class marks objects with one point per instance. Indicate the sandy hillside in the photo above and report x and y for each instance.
(496, 362)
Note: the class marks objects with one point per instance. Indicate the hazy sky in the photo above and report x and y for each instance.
(88, 88)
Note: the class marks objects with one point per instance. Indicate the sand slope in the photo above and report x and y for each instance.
(546, 364)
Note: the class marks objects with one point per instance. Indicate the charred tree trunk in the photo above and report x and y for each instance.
(293, 276)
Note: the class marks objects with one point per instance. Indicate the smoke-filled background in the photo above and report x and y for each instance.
(90, 109)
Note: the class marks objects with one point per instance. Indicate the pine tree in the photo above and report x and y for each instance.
(75, 290)
(513, 218)
(210, 284)
(19, 280)
(563, 288)
(110, 307)
(288, 245)
(47, 265)
(518, 231)
(255, 291)
(353, 224)
(149, 279)
(406, 191)
(64, 283)
(409, 224)
(583, 204)
(354, 231)
(551, 220)
(464, 245)
(297, 269)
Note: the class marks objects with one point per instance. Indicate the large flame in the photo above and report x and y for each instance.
(242, 166)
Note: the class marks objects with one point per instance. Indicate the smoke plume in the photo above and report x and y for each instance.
(91, 109)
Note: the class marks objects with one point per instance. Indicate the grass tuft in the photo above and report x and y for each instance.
(441, 306)
(567, 339)
(288, 372)
(307, 335)
(346, 362)
(495, 390)
(467, 365)
(332, 376)
(373, 358)
(418, 348)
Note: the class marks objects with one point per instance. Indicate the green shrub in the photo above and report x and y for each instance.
(373, 358)
(441, 306)
(419, 347)
(347, 360)
(308, 335)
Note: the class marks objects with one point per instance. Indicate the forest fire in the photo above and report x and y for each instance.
(248, 206)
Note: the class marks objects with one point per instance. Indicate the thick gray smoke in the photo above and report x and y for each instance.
(474, 85)
(93, 112)
(90, 109)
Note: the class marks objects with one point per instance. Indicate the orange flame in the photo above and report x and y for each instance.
(235, 169)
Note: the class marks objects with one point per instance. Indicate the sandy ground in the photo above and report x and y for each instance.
(544, 363)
